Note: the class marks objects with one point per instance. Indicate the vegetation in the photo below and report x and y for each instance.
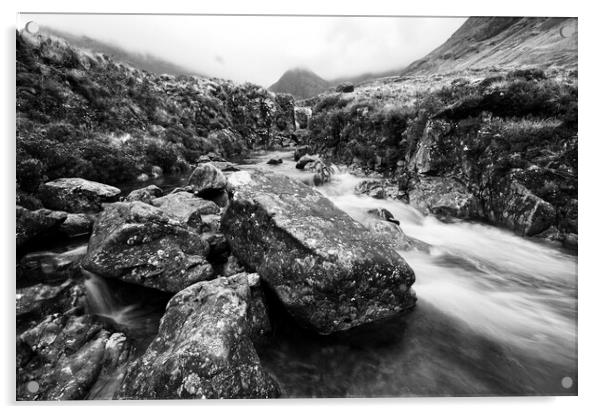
(84, 115)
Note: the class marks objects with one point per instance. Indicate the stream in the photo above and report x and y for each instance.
(496, 314)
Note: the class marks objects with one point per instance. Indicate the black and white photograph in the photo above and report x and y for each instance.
(249, 206)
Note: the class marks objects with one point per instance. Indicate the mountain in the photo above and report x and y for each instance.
(142, 61)
(301, 83)
(506, 42)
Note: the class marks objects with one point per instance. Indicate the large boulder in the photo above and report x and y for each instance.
(207, 178)
(203, 348)
(140, 243)
(36, 224)
(76, 195)
(186, 208)
(329, 271)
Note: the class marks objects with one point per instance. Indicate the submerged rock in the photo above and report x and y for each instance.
(35, 224)
(203, 348)
(329, 271)
(76, 195)
(145, 194)
(140, 243)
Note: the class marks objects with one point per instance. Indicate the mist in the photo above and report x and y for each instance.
(259, 49)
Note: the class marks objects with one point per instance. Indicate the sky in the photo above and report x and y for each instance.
(260, 49)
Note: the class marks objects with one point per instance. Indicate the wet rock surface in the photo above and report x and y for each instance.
(204, 347)
(35, 224)
(320, 263)
(61, 357)
(76, 195)
(139, 243)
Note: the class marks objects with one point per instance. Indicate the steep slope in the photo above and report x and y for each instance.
(504, 42)
(142, 61)
(301, 83)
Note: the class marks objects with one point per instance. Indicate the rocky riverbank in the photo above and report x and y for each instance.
(216, 245)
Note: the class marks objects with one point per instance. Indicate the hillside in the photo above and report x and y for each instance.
(301, 83)
(143, 61)
(84, 114)
(504, 42)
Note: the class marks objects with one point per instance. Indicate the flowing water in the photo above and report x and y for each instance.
(496, 314)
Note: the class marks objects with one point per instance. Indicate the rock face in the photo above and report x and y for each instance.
(207, 178)
(36, 223)
(443, 197)
(522, 211)
(186, 208)
(141, 244)
(328, 270)
(76, 195)
(203, 348)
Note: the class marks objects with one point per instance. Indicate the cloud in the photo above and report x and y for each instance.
(260, 48)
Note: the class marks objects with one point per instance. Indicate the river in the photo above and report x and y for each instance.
(496, 314)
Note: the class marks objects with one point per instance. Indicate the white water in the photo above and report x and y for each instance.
(513, 290)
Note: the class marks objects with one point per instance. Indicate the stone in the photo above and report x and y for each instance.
(77, 224)
(371, 188)
(522, 211)
(274, 161)
(61, 358)
(304, 160)
(76, 195)
(186, 208)
(145, 194)
(141, 244)
(383, 214)
(444, 197)
(207, 178)
(43, 299)
(328, 270)
(36, 224)
(301, 151)
(203, 348)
